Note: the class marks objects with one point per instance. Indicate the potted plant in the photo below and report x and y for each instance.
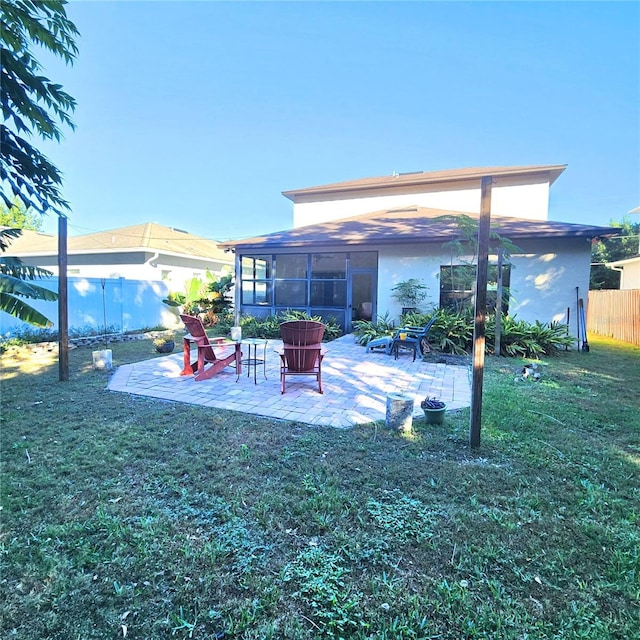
(164, 344)
(434, 410)
(410, 293)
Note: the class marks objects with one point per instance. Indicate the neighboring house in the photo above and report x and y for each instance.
(140, 252)
(118, 278)
(353, 241)
(629, 269)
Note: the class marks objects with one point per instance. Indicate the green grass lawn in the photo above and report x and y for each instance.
(132, 517)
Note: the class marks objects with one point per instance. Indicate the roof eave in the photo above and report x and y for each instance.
(422, 178)
(430, 239)
(98, 251)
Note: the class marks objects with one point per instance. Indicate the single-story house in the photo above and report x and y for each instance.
(118, 277)
(147, 251)
(351, 242)
(629, 269)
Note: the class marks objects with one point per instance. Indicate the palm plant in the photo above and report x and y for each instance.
(16, 284)
(410, 293)
(206, 297)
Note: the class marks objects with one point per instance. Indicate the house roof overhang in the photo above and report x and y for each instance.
(146, 238)
(624, 262)
(410, 225)
(425, 179)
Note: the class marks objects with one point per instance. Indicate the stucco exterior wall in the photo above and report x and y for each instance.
(543, 283)
(543, 280)
(524, 201)
(398, 263)
(176, 278)
(630, 276)
(174, 274)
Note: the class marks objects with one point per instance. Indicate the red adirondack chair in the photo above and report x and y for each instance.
(302, 351)
(206, 354)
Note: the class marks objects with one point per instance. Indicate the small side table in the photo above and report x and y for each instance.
(401, 344)
(253, 361)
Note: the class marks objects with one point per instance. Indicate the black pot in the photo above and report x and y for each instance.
(167, 347)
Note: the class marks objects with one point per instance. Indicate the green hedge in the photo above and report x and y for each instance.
(452, 332)
(269, 327)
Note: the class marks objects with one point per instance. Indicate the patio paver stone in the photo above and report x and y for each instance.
(355, 383)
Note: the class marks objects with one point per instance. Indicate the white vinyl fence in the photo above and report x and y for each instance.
(127, 305)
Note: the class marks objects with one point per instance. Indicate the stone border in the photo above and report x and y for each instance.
(89, 341)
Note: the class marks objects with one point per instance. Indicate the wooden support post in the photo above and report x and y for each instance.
(497, 346)
(63, 306)
(480, 312)
(237, 292)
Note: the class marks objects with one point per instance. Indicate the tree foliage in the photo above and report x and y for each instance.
(32, 105)
(410, 293)
(625, 245)
(463, 259)
(19, 217)
(466, 242)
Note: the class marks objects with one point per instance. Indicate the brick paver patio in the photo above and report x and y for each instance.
(355, 385)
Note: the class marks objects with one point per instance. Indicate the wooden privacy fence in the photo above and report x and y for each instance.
(615, 314)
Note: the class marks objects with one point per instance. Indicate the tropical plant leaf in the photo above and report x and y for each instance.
(13, 267)
(17, 287)
(21, 310)
(13, 285)
(6, 235)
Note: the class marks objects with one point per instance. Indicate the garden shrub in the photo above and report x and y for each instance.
(223, 323)
(367, 330)
(33, 335)
(269, 327)
(519, 338)
(452, 332)
(415, 319)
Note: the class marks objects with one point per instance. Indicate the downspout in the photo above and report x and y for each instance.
(620, 270)
(148, 262)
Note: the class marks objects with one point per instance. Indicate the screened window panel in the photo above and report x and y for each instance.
(255, 292)
(329, 266)
(327, 314)
(291, 266)
(291, 293)
(328, 293)
(363, 259)
(256, 267)
(262, 293)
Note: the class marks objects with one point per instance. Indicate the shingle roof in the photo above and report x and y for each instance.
(141, 237)
(550, 172)
(32, 242)
(411, 224)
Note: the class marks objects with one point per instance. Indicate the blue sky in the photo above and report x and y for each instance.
(199, 114)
